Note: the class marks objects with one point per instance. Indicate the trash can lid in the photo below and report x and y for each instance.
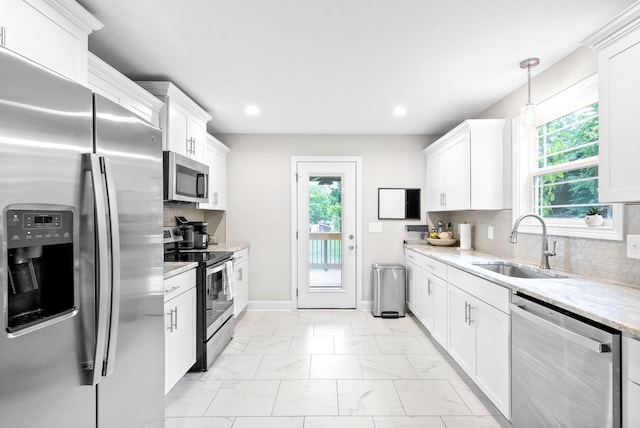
(388, 266)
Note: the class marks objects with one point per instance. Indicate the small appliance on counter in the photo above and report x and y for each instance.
(186, 230)
(200, 236)
(194, 234)
(416, 234)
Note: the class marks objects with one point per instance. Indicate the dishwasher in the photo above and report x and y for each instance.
(565, 368)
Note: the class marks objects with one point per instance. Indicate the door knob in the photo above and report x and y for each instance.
(351, 247)
(350, 236)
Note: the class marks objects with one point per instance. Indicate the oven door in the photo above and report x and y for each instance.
(218, 303)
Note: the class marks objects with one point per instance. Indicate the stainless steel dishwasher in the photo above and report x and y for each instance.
(565, 369)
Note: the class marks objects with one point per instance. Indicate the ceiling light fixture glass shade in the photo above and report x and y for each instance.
(399, 111)
(528, 113)
(252, 110)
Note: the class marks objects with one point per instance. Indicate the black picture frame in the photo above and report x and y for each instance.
(398, 203)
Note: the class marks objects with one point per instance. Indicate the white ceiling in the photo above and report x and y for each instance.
(341, 66)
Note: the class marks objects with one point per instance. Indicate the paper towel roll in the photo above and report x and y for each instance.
(465, 236)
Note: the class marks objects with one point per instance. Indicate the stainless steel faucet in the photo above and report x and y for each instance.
(544, 257)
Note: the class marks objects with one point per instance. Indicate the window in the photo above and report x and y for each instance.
(556, 166)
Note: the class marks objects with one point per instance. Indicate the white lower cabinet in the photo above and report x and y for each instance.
(427, 293)
(440, 312)
(180, 326)
(469, 317)
(241, 269)
(461, 331)
(479, 334)
(410, 260)
(630, 383)
(492, 375)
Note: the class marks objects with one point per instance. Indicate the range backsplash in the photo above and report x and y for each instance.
(591, 257)
(216, 220)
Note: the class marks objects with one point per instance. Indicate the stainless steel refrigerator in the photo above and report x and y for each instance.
(82, 339)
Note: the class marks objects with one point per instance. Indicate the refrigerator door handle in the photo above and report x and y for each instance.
(109, 365)
(91, 163)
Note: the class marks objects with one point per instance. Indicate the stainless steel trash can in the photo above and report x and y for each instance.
(389, 290)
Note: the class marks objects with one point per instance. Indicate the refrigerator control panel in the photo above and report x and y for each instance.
(41, 227)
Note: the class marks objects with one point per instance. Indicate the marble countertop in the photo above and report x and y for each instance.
(176, 268)
(229, 246)
(611, 303)
(224, 246)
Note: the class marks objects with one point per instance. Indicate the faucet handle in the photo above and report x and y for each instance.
(552, 252)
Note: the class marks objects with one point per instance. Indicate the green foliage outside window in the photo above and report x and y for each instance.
(568, 193)
(325, 204)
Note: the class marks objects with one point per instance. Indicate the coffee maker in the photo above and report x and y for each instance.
(40, 266)
(200, 236)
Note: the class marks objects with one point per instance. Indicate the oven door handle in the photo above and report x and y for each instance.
(578, 339)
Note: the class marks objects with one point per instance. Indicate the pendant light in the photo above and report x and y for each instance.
(528, 114)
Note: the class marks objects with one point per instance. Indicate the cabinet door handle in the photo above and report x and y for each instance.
(466, 313)
(175, 325)
(470, 319)
(3, 36)
(429, 287)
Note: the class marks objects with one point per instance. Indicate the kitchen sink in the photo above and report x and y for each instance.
(517, 271)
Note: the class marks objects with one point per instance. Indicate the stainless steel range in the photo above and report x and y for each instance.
(214, 315)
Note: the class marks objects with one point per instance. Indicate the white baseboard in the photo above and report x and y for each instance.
(269, 305)
(285, 305)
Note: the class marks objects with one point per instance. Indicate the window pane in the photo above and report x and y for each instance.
(568, 194)
(571, 137)
(325, 237)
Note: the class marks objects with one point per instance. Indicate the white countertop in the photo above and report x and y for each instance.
(176, 268)
(223, 246)
(611, 303)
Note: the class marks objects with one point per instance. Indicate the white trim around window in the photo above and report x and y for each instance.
(524, 161)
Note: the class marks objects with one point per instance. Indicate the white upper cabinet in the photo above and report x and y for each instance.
(464, 167)
(618, 47)
(183, 121)
(110, 83)
(53, 33)
(216, 159)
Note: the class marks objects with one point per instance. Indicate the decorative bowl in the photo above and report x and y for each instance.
(442, 242)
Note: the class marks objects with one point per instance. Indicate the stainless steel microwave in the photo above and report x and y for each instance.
(185, 180)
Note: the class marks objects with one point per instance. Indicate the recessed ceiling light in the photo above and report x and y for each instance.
(252, 110)
(399, 111)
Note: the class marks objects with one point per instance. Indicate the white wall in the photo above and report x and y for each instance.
(259, 201)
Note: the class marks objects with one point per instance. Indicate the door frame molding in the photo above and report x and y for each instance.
(294, 223)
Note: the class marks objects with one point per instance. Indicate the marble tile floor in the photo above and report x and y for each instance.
(329, 369)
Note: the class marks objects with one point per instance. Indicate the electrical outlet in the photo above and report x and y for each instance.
(375, 227)
(490, 232)
(633, 246)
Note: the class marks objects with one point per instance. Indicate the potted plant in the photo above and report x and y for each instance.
(594, 217)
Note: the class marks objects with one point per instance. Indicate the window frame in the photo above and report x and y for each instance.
(524, 163)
